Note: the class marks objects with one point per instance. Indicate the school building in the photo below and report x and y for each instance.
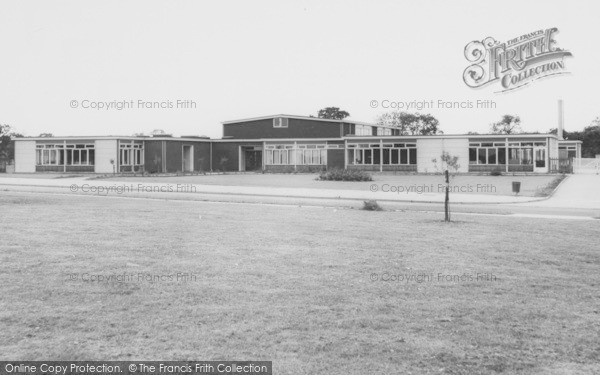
(286, 143)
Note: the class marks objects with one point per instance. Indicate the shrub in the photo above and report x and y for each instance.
(371, 205)
(344, 175)
(496, 172)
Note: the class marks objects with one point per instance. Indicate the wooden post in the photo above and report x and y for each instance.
(447, 199)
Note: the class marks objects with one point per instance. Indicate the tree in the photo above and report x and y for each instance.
(332, 113)
(410, 123)
(447, 162)
(508, 125)
(7, 146)
(46, 135)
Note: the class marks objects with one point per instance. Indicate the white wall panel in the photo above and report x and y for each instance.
(429, 149)
(106, 149)
(24, 156)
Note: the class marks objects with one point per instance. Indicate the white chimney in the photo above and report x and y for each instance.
(561, 120)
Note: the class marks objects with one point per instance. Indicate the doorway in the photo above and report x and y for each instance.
(539, 162)
(251, 158)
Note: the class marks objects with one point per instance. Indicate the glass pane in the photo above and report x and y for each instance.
(368, 157)
(472, 156)
(403, 156)
(386, 156)
(501, 156)
(491, 156)
(395, 153)
(527, 158)
(481, 156)
(413, 156)
(358, 156)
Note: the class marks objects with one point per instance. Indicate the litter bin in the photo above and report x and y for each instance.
(516, 186)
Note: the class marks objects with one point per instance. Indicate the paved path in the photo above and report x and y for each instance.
(81, 185)
(576, 191)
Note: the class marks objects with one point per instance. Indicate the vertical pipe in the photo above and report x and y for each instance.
(561, 120)
(506, 158)
(65, 155)
(380, 155)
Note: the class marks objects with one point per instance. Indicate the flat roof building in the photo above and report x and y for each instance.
(287, 143)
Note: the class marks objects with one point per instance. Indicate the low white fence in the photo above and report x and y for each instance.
(586, 165)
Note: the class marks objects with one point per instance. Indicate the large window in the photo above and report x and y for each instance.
(61, 154)
(384, 131)
(305, 154)
(131, 154)
(521, 153)
(386, 154)
(487, 153)
(363, 130)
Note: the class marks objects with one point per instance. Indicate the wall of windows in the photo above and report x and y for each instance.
(384, 131)
(490, 153)
(386, 154)
(131, 154)
(521, 153)
(302, 154)
(363, 130)
(65, 154)
(519, 156)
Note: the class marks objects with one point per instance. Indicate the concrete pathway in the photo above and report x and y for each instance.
(576, 191)
(81, 185)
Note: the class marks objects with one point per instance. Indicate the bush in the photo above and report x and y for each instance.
(496, 172)
(371, 205)
(344, 175)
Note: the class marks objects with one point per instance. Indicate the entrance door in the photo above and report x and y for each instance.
(187, 158)
(253, 160)
(539, 162)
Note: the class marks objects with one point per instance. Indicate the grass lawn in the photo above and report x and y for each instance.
(462, 184)
(295, 286)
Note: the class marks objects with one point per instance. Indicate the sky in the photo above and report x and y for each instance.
(230, 60)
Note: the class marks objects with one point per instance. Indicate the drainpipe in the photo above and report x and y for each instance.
(506, 157)
(380, 155)
(210, 151)
(65, 155)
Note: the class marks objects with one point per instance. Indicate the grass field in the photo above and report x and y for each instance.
(299, 286)
(502, 185)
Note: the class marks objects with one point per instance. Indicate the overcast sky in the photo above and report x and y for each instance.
(239, 59)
